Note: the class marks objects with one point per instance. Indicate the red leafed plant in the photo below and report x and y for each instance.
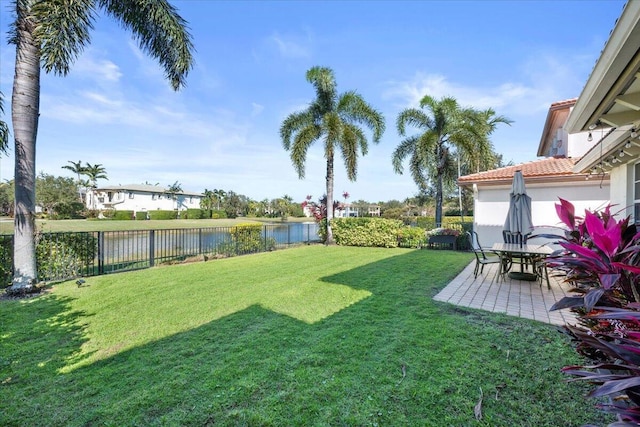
(600, 256)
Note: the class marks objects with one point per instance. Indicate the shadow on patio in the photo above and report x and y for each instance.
(489, 291)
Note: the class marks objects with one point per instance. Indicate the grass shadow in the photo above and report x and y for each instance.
(393, 358)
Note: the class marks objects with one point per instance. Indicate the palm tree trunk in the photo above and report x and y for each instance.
(24, 113)
(329, 240)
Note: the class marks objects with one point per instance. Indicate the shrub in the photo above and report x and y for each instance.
(123, 215)
(600, 256)
(163, 214)
(218, 214)
(380, 232)
(64, 255)
(411, 237)
(247, 238)
(141, 215)
(195, 214)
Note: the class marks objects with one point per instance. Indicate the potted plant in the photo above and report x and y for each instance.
(442, 235)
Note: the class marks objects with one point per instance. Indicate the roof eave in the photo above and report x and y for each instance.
(611, 73)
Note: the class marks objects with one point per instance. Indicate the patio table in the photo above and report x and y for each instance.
(539, 252)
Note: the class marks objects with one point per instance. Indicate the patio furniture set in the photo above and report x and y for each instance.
(514, 250)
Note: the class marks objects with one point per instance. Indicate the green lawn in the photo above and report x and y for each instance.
(311, 336)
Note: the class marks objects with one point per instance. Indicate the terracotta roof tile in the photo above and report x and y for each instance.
(548, 168)
(566, 102)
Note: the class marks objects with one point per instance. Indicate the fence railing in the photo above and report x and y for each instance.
(67, 255)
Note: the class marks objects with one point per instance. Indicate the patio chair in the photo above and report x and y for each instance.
(481, 257)
(520, 239)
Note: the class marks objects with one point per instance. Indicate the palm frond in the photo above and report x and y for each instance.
(402, 151)
(4, 128)
(160, 31)
(293, 123)
(352, 138)
(353, 108)
(414, 118)
(62, 29)
(304, 138)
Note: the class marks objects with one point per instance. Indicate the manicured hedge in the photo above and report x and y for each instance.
(378, 232)
(195, 214)
(429, 223)
(163, 214)
(122, 215)
(141, 215)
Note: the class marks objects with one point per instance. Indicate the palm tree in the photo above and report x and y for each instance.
(206, 202)
(52, 35)
(219, 196)
(94, 173)
(173, 191)
(78, 169)
(335, 119)
(447, 131)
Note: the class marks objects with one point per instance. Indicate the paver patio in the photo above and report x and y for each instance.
(493, 292)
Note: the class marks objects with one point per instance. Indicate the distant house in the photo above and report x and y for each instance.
(374, 210)
(609, 109)
(546, 180)
(140, 197)
(346, 210)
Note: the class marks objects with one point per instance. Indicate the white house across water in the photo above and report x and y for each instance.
(140, 197)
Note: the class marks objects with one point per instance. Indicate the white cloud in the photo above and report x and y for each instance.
(256, 109)
(503, 96)
(288, 47)
(96, 69)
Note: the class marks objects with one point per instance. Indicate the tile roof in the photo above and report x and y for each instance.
(567, 102)
(548, 169)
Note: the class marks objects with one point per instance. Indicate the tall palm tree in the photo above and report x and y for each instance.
(335, 119)
(52, 34)
(446, 132)
(78, 169)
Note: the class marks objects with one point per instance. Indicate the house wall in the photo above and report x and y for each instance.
(491, 204)
(142, 201)
(578, 143)
(622, 190)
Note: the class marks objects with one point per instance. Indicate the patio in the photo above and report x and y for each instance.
(518, 298)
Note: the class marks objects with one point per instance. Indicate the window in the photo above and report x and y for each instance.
(131, 195)
(154, 196)
(636, 193)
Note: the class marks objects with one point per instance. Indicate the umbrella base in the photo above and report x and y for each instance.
(530, 277)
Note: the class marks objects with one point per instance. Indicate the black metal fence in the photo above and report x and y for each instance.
(68, 255)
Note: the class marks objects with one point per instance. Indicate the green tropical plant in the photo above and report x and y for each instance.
(94, 173)
(78, 169)
(51, 35)
(600, 256)
(335, 119)
(448, 132)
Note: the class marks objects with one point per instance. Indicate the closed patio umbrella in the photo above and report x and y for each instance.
(519, 216)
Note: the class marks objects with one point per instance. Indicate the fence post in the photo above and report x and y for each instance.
(100, 252)
(199, 241)
(152, 247)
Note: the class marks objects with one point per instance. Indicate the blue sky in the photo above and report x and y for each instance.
(222, 130)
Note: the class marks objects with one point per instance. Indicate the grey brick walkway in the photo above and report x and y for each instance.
(491, 292)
